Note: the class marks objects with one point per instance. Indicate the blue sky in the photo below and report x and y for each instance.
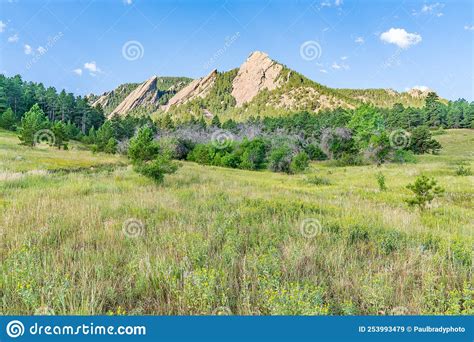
(88, 46)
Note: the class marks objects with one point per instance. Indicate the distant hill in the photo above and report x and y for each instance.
(260, 86)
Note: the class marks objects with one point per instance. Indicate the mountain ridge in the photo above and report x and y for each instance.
(259, 86)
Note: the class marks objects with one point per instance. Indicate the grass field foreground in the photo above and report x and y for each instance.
(104, 240)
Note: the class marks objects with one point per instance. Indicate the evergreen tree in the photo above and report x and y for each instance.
(7, 120)
(3, 100)
(60, 134)
(33, 121)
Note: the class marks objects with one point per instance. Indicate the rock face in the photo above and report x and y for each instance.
(145, 94)
(197, 88)
(417, 92)
(103, 99)
(256, 73)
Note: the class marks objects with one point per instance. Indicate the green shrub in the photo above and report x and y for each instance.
(202, 154)
(461, 252)
(425, 190)
(299, 163)
(463, 170)
(231, 160)
(403, 156)
(111, 146)
(315, 180)
(379, 148)
(156, 168)
(358, 234)
(280, 159)
(7, 120)
(143, 147)
(145, 154)
(252, 154)
(32, 122)
(315, 153)
(381, 181)
(421, 141)
(60, 134)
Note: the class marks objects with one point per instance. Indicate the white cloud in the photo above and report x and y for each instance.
(400, 37)
(92, 67)
(337, 66)
(2, 26)
(41, 50)
(344, 58)
(127, 2)
(14, 38)
(27, 49)
(324, 71)
(338, 2)
(78, 71)
(469, 27)
(359, 40)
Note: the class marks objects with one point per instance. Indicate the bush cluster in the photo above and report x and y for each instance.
(255, 154)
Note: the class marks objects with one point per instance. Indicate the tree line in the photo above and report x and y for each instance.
(17, 97)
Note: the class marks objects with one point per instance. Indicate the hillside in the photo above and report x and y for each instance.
(260, 86)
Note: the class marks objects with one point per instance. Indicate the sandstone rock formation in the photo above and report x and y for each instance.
(145, 94)
(197, 88)
(103, 99)
(417, 92)
(256, 73)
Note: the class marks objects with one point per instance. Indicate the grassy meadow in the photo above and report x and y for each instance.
(82, 233)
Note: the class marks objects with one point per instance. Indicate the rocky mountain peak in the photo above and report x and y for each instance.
(418, 91)
(198, 88)
(258, 72)
(144, 94)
